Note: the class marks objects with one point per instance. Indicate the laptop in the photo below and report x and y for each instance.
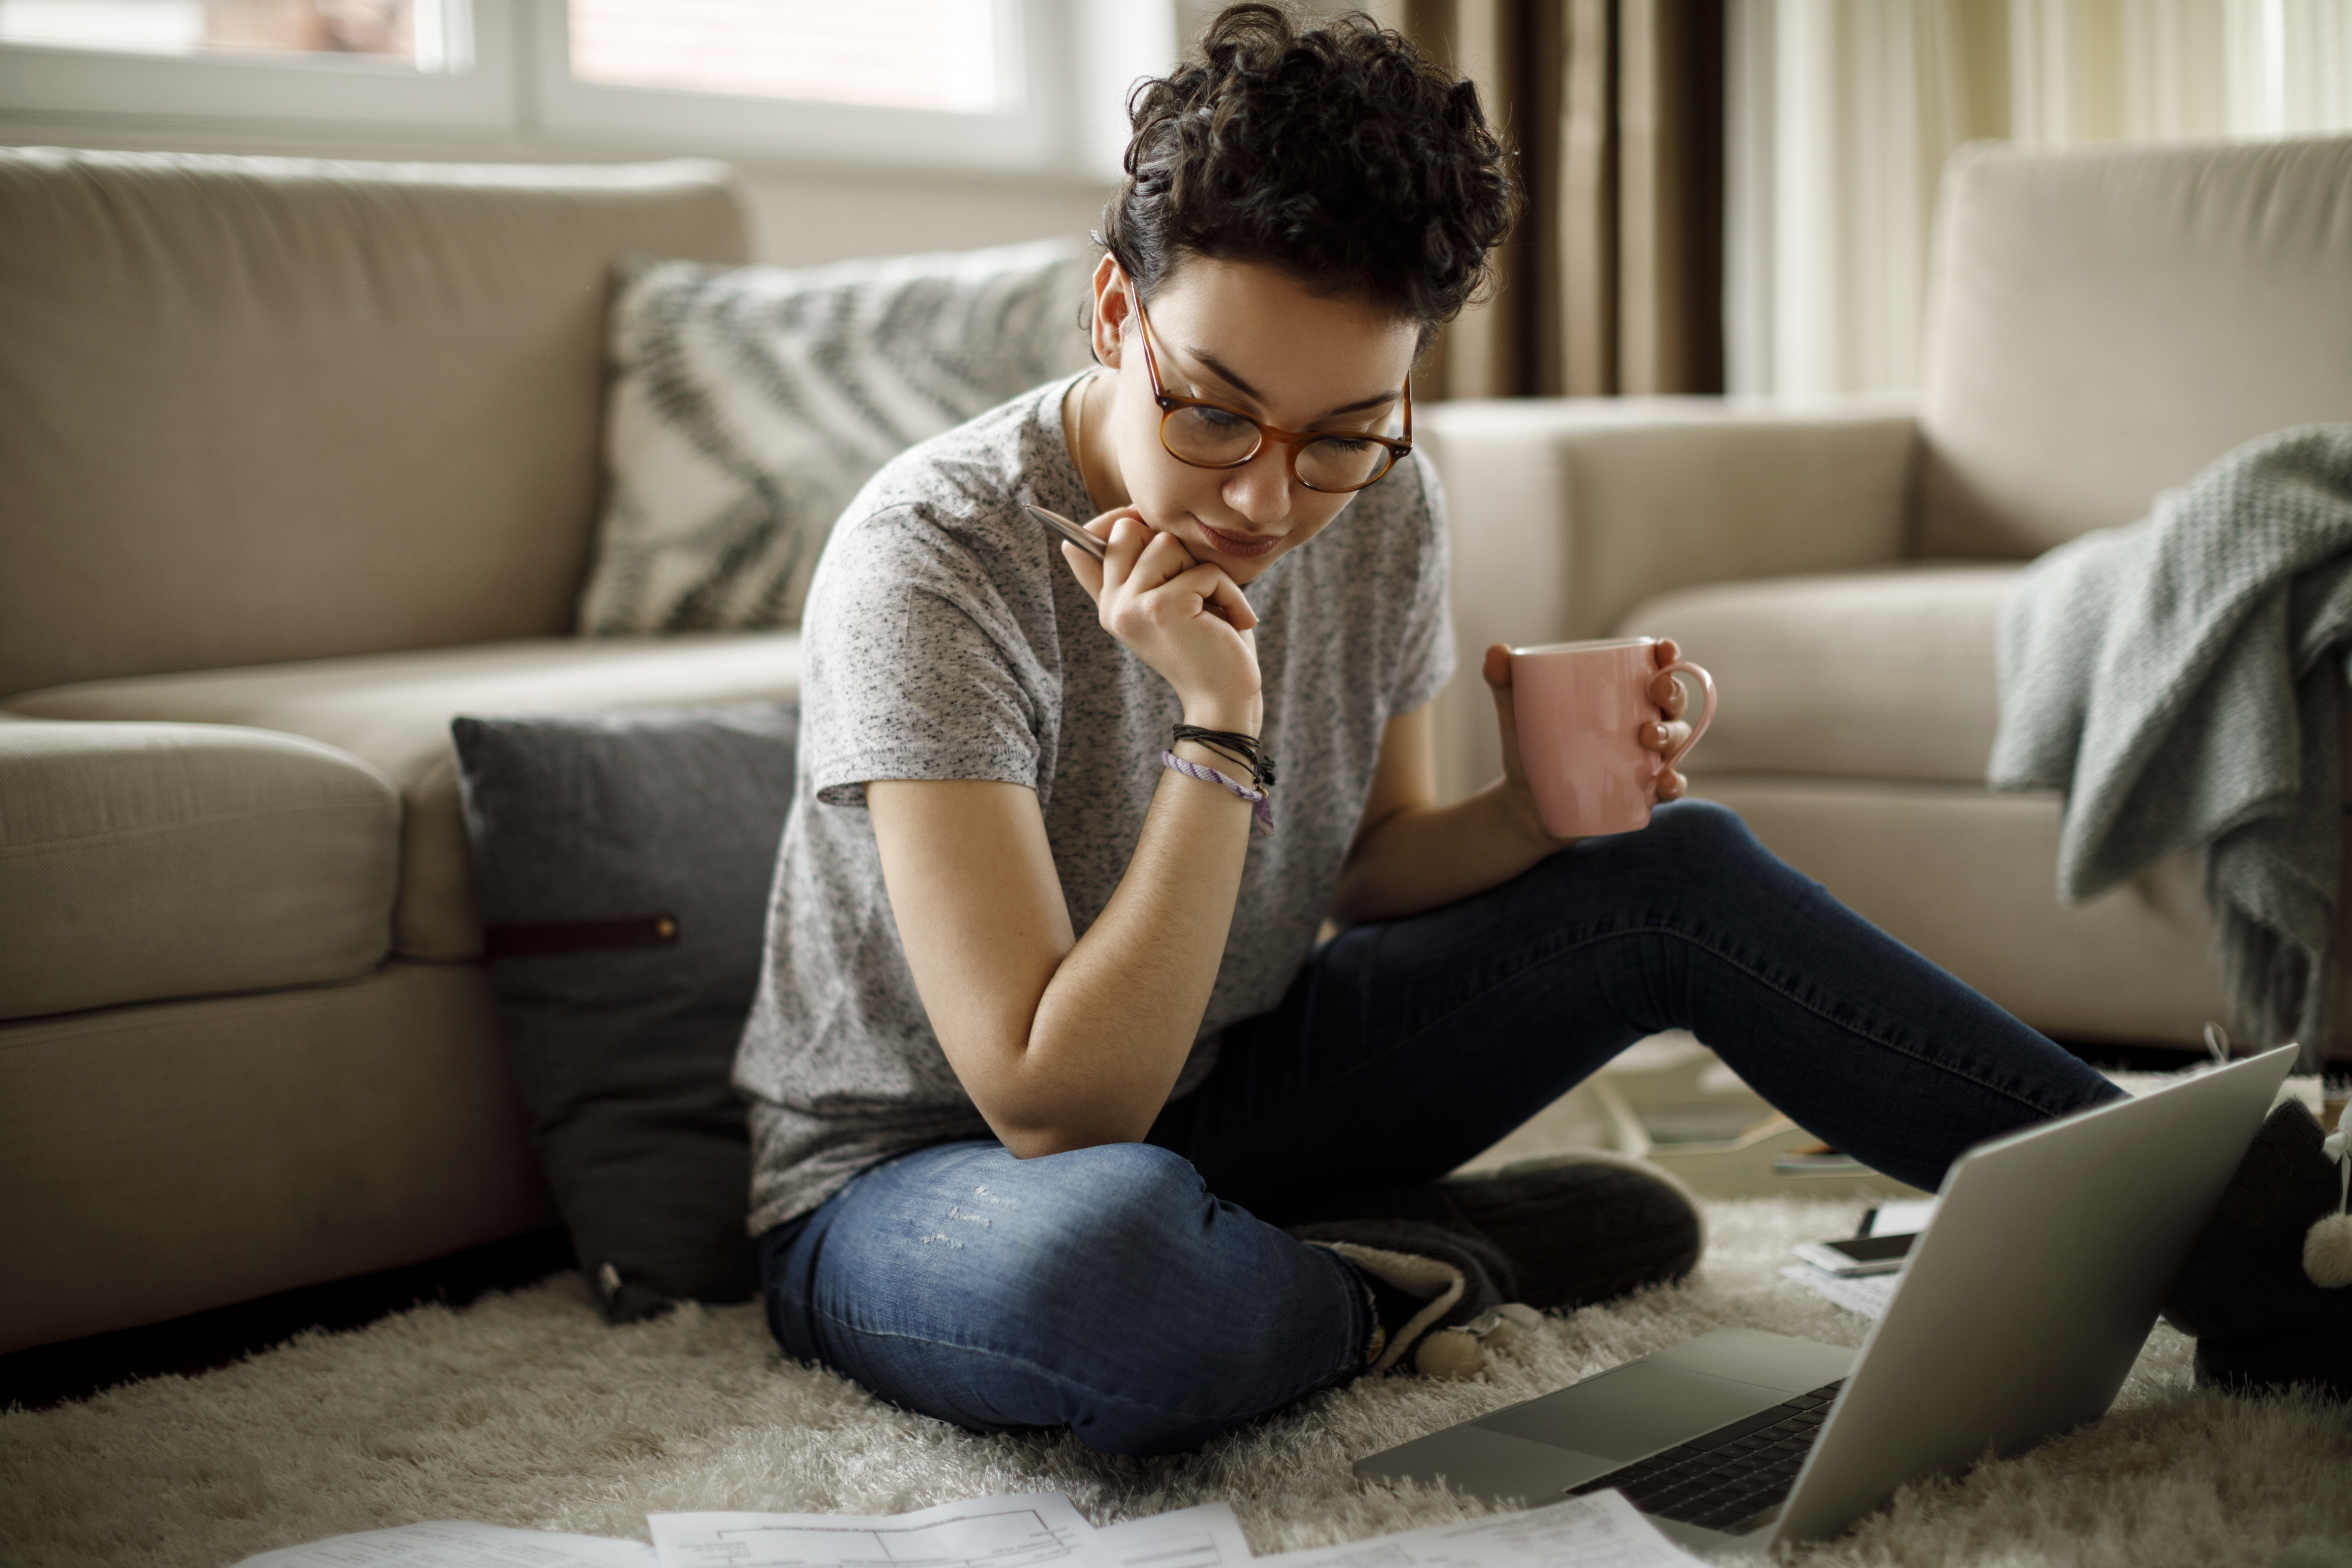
(2018, 1315)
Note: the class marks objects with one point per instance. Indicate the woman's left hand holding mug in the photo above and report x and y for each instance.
(1662, 737)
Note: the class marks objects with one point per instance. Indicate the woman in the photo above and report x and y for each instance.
(1047, 1044)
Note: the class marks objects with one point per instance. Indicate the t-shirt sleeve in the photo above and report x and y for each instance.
(1425, 651)
(917, 668)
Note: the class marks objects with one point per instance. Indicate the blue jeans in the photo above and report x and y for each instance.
(1132, 1291)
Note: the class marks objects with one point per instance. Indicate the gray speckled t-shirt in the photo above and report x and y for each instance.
(944, 638)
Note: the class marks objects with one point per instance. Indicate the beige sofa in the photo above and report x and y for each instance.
(2104, 322)
(301, 459)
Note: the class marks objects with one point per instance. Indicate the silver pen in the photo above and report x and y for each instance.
(1067, 530)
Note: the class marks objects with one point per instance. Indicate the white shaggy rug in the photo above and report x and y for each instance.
(526, 1410)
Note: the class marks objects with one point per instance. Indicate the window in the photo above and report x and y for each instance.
(381, 61)
(885, 54)
(397, 33)
(888, 80)
(1036, 84)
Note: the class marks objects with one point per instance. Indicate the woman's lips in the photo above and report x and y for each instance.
(1240, 545)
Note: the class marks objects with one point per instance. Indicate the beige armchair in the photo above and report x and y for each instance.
(2105, 322)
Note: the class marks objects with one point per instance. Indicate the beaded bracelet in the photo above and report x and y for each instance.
(1261, 808)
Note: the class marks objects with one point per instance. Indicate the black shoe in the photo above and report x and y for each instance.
(1437, 1295)
(1574, 1228)
(2260, 1317)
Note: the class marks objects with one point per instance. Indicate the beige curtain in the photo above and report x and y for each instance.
(1612, 282)
(1842, 112)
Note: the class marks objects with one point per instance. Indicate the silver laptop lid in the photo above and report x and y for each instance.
(2028, 1297)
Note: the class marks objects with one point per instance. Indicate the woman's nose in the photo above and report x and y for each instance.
(1260, 489)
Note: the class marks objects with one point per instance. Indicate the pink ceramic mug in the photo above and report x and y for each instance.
(1580, 707)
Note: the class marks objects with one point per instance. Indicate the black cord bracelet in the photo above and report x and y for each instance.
(1240, 748)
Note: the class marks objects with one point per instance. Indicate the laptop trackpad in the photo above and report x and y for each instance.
(1633, 1410)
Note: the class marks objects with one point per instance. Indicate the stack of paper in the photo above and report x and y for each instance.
(1037, 1531)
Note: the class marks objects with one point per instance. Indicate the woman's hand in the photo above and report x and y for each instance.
(1662, 737)
(1188, 621)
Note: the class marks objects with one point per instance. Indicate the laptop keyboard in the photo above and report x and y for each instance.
(1720, 1481)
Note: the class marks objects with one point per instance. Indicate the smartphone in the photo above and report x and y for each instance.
(1857, 1254)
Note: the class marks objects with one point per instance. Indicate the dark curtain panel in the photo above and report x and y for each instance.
(1613, 281)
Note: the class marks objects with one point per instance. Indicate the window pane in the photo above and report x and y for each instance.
(416, 34)
(896, 54)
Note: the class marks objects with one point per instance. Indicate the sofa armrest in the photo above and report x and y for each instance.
(1566, 513)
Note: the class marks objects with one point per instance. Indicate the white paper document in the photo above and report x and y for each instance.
(1204, 1536)
(454, 1544)
(1027, 1532)
(1602, 1530)
(1901, 1217)
(1867, 1294)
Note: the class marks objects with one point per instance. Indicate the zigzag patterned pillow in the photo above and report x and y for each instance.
(748, 404)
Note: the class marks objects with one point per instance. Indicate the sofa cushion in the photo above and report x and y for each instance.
(164, 1159)
(255, 409)
(624, 861)
(748, 404)
(2108, 320)
(393, 711)
(1886, 675)
(140, 861)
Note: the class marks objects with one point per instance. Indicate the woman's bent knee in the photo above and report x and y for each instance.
(1105, 1289)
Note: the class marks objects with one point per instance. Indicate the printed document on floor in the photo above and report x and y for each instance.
(455, 1544)
(1040, 1530)
(1867, 1294)
(1205, 1535)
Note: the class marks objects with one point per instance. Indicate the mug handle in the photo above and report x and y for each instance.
(1707, 710)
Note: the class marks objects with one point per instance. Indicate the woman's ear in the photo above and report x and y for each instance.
(1112, 307)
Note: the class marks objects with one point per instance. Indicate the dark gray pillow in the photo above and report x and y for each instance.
(623, 862)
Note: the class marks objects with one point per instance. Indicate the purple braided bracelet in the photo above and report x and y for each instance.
(1261, 808)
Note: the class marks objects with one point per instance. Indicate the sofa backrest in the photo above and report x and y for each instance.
(2108, 320)
(254, 410)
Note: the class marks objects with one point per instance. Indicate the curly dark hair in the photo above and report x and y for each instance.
(1338, 154)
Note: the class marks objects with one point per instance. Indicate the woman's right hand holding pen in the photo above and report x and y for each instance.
(1187, 620)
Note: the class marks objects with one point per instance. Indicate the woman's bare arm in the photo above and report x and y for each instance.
(1063, 1043)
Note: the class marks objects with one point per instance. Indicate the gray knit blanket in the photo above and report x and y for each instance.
(2178, 679)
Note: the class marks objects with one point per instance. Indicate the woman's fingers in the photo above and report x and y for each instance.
(1663, 738)
(1497, 666)
(1221, 596)
(1128, 538)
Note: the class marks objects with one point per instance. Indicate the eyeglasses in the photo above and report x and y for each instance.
(1210, 436)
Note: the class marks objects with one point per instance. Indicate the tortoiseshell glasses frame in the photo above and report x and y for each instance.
(1343, 446)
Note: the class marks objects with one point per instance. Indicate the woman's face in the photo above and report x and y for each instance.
(1248, 337)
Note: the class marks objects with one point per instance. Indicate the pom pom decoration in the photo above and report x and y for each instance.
(2327, 1251)
(2328, 1244)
